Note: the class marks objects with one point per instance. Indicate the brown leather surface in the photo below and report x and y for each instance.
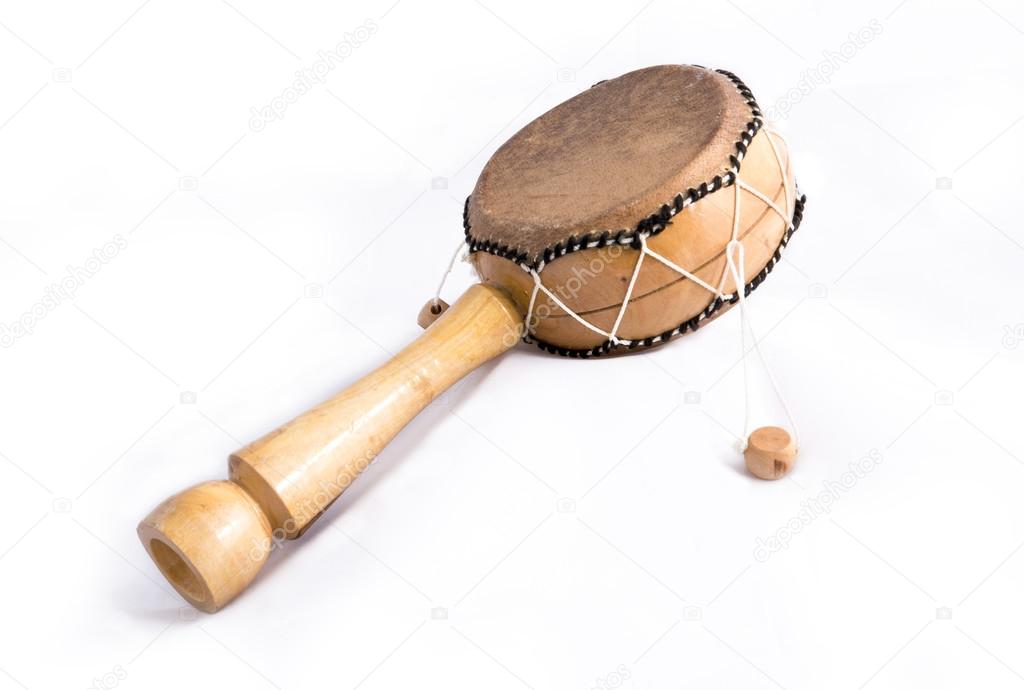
(608, 157)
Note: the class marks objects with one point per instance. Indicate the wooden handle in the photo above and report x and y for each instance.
(207, 540)
(296, 471)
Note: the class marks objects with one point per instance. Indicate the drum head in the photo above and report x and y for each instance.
(609, 157)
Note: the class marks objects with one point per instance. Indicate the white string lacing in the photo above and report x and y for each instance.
(734, 267)
(436, 301)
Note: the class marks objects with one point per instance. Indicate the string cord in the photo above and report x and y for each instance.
(436, 301)
(736, 262)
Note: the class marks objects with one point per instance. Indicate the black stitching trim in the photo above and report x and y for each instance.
(648, 226)
(695, 322)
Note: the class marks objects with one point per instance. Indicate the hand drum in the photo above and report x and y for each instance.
(630, 214)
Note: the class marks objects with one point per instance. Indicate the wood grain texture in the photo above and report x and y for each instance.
(208, 541)
(770, 453)
(430, 313)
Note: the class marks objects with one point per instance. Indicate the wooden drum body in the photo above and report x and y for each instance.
(568, 199)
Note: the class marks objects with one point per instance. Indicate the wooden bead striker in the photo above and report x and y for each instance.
(606, 223)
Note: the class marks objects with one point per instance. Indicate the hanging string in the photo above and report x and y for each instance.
(736, 264)
(436, 301)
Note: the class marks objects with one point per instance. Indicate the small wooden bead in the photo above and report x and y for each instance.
(431, 312)
(770, 452)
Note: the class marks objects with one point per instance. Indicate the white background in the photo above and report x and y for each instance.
(569, 524)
